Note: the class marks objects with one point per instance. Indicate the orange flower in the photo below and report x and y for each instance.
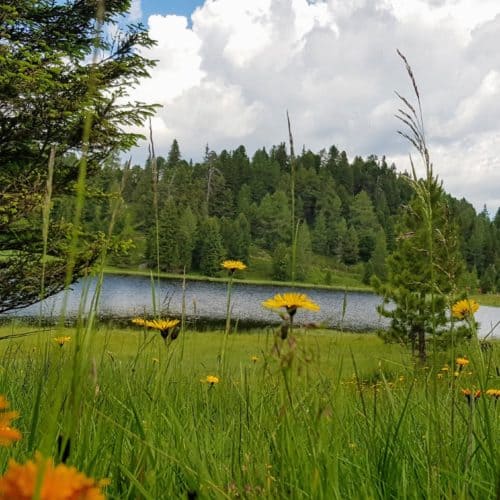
(58, 482)
(462, 362)
(7, 434)
(471, 395)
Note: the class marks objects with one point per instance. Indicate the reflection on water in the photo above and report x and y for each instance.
(132, 295)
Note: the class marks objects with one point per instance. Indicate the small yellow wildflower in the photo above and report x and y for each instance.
(461, 362)
(494, 393)
(210, 379)
(233, 265)
(291, 302)
(464, 308)
(61, 340)
(42, 479)
(165, 326)
(254, 359)
(7, 434)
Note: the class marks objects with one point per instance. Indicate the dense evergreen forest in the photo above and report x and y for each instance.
(233, 206)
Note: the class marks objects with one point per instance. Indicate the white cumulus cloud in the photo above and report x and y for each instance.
(228, 78)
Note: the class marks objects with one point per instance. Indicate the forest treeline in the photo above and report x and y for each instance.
(230, 205)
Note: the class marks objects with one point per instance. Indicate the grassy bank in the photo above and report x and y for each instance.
(239, 278)
(321, 415)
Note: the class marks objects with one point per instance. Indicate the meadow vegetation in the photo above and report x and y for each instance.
(320, 415)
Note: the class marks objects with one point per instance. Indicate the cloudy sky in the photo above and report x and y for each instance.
(229, 69)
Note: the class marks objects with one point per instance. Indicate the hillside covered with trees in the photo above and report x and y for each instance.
(235, 206)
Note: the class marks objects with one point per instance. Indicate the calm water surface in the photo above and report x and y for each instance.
(132, 295)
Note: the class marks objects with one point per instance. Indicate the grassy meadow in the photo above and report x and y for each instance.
(321, 414)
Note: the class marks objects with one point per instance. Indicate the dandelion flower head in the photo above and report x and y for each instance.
(139, 321)
(210, 379)
(59, 482)
(291, 302)
(494, 393)
(61, 340)
(470, 394)
(462, 361)
(464, 308)
(162, 324)
(233, 265)
(7, 434)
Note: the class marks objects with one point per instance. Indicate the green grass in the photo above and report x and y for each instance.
(325, 415)
(488, 299)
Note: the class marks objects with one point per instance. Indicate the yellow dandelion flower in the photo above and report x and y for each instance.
(461, 362)
(233, 265)
(165, 326)
(494, 393)
(61, 340)
(210, 379)
(291, 302)
(59, 482)
(254, 359)
(464, 308)
(445, 368)
(7, 434)
(162, 324)
(138, 321)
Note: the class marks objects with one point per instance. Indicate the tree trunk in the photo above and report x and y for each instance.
(422, 354)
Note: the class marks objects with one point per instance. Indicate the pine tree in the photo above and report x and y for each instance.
(426, 265)
(304, 253)
(65, 108)
(170, 259)
(211, 247)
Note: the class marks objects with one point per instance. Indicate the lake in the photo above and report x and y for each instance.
(126, 296)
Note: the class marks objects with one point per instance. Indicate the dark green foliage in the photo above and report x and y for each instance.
(349, 245)
(379, 256)
(304, 256)
(210, 248)
(237, 238)
(424, 269)
(169, 228)
(51, 95)
(259, 203)
(272, 225)
(364, 220)
(281, 263)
